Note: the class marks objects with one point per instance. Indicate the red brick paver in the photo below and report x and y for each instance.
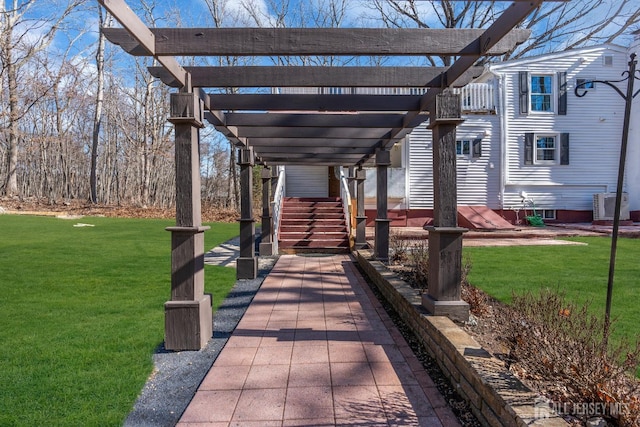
(315, 348)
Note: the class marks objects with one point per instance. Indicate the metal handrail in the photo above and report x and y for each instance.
(345, 194)
(278, 198)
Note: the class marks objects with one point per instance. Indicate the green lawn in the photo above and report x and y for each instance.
(82, 313)
(579, 271)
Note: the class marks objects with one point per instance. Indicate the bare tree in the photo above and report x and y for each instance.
(555, 26)
(20, 39)
(104, 20)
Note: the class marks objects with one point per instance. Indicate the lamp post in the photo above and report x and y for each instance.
(628, 97)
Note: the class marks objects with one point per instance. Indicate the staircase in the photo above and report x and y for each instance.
(313, 225)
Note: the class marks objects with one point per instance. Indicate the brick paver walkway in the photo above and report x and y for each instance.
(315, 348)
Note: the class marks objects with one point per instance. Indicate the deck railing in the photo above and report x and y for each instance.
(478, 98)
(276, 208)
(475, 97)
(346, 200)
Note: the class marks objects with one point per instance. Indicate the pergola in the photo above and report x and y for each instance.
(348, 129)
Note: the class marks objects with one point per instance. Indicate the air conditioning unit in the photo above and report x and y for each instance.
(604, 206)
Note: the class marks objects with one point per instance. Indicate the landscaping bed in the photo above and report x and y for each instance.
(574, 374)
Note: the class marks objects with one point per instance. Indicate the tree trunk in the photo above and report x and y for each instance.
(11, 188)
(97, 119)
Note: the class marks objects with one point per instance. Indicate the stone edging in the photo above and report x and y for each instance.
(496, 396)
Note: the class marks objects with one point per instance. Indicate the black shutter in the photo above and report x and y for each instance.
(528, 148)
(564, 149)
(524, 92)
(476, 148)
(562, 93)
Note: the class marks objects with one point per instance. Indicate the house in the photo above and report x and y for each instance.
(528, 142)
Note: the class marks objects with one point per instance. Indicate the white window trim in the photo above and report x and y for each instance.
(553, 94)
(556, 149)
(462, 155)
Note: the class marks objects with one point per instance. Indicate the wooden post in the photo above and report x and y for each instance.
(361, 218)
(381, 248)
(445, 237)
(188, 316)
(266, 242)
(247, 263)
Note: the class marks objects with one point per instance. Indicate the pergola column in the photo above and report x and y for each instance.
(266, 242)
(247, 263)
(361, 218)
(381, 248)
(445, 237)
(188, 316)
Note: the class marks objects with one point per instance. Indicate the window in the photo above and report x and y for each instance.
(463, 147)
(541, 92)
(546, 149)
(548, 214)
(469, 147)
(607, 60)
(332, 90)
(586, 84)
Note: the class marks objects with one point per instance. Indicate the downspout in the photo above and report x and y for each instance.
(504, 132)
(407, 171)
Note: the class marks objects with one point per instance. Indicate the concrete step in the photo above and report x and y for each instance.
(315, 222)
(311, 228)
(313, 235)
(313, 225)
(303, 250)
(313, 216)
(312, 199)
(308, 243)
(289, 208)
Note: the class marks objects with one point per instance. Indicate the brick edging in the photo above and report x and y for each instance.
(496, 396)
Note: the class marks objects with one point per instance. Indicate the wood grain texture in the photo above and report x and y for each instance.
(309, 76)
(316, 41)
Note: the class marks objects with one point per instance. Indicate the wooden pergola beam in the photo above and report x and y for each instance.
(313, 41)
(347, 150)
(314, 102)
(261, 120)
(309, 143)
(511, 17)
(329, 161)
(302, 76)
(135, 28)
(311, 132)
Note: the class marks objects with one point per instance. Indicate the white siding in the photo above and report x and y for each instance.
(633, 148)
(307, 181)
(396, 188)
(478, 179)
(593, 123)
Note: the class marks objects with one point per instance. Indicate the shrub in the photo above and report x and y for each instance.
(555, 341)
(479, 302)
(419, 259)
(399, 248)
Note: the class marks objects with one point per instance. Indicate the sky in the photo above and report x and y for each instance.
(81, 29)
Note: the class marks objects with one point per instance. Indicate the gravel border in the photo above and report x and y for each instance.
(177, 375)
(458, 405)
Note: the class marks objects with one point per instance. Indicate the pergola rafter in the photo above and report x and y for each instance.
(310, 76)
(338, 126)
(312, 41)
